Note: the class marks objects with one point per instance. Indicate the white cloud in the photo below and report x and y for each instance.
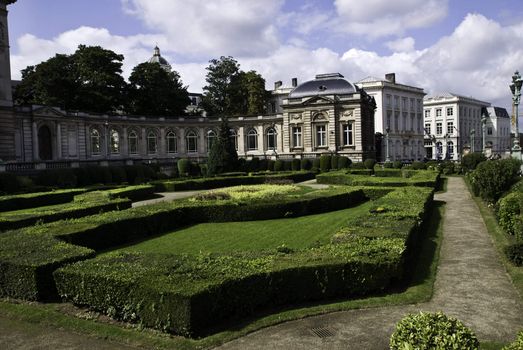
(401, 45)
(212, 28)
(382, 18)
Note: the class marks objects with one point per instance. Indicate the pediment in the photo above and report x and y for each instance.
(48, 111)
(317, 100)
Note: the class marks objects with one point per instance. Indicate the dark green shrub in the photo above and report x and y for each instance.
(254, 164)
(447, 168)
(357, 165)
(195, 169)
(184, 167)
(369, 163)
(509, 214)
(514, 253)
(99, 175)
(470, 161)
(270, 165)
(287, 165)
(344, 162)
(149, 172)
(204, 170)
(418, 166)
(8, 183)
(427, 331)
(492, 178)
(278, 165)
(263, 164)
(118, 174)
(388, 165)
(305, 164)
(134, 174)
(316, 163)
(325, 162)
(34, 200)
(516, 344)
(63, 178)
(397, 164)
(334, 161)
(295, 164)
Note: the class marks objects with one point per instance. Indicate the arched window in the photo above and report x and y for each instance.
(191, 141)
(114, 141)
(133, 142)
(172, 144)
(252, 140)
(271, 139)
(439, 149)
(234, 136)
(211, 138)
(96, 147)
(152, 142)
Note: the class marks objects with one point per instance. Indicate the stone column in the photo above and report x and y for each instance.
(58, 141)
(36, 152)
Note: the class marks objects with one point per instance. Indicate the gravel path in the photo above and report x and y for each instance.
(471, 285)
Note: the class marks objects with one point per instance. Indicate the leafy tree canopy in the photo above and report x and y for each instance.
(231, 91)
(90, 79)
(154, 91)
(222, 156)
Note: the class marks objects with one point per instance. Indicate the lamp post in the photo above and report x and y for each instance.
(106, 124)
(515, 88)
(483, 128)
(472, 141)
(387, 155)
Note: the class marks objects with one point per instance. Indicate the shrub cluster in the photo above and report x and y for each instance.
(426, 331)
(38, 199)
(510, 216)
(133, 193)
(383, 177)
(470, 161)
(492, 178)
(516, 344)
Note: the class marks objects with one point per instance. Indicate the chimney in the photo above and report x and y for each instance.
(277, 85)
(294, 82)
(391, 77)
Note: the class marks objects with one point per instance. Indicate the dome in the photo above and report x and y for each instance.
(157, 58)
(324, 84)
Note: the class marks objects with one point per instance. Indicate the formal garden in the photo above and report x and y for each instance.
(253, 247)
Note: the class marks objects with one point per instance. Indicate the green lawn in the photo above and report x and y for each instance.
(295, 233)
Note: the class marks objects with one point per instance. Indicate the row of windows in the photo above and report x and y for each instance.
(191, 141)
(439, 128)
(347, 135)
(405, 103)
(415, 123)
(439, 111)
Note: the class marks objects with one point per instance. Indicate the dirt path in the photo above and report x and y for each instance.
(471, 285)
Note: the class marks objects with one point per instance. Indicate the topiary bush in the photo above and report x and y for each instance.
(418, 166)
(492, 178)
(397, 164)
(278, 165)
(447, 168)
(270, 165)
(334, 161)
(287, 165)
(509, 214)
(470, 161)
(325, 162)
(8, 183)
(305, 164)
(358, 165)
(426, 331)
(184, 167)
(344, 162)
(387, 165)
(514, 253)
(295, 164)
(369, 163)
(316, 164)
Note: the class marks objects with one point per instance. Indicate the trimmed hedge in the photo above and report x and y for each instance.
(39, 199)
(112, 229)
(514, 253)
(216, 182)
(423, 178)
(132, 192)
(188, 294)
(83, 205)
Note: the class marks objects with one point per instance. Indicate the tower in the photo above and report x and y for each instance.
(7, 123)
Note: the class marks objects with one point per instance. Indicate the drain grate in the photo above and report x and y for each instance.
(322, 332)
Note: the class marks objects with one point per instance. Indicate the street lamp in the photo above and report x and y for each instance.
(387, 155)
(515, 88)
(483, 128)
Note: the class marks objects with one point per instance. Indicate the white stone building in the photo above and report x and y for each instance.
(398, 118)
(497, 131)
(453, 125)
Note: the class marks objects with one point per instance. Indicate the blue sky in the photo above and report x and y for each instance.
(469, 47)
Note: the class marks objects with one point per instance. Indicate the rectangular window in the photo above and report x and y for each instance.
(427, 128)
(396, 122)
(489, 130)
(404, 103)
(388, 120)
(321, 136)
(438, 112)
(412, 123)
(296, 136)
(411, 104)
(389, 101)
(396, 102)
(450, 111)
(439, 128)
(450, 128)
(348, 134)
(427, 113)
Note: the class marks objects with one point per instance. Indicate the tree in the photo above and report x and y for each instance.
(222, 156)
(90, 80)
(231, 91)
(154, 91)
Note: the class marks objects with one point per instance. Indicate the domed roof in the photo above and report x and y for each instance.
(157, 58)
(324, 84)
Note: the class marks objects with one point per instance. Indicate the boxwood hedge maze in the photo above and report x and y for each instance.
(185, 265)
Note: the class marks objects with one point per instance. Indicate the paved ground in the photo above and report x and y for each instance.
(166, 196)
(471, 284)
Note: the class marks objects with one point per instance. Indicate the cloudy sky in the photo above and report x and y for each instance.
(469, 47)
